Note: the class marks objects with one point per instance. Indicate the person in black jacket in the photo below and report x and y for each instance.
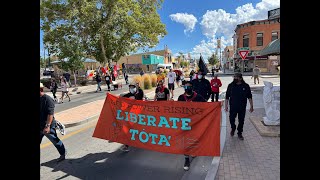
(202, 86)
(135, 92)
(237, 94)
(53, 88)
(48, 123)
(189, 96)
(98, 79)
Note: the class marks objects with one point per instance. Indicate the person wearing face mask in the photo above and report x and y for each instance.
(202, 86)
(162, 93)
(135, 92)
(236, 96)
(189, 96)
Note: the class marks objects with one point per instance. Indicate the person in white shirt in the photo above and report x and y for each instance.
(171, 79)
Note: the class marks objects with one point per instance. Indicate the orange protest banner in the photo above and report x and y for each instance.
(176, 127)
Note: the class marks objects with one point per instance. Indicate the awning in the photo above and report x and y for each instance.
(273, 48)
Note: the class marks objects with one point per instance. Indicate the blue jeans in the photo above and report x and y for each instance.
(53, 137)
(98, 88)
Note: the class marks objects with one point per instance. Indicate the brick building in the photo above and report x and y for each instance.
(256, 35)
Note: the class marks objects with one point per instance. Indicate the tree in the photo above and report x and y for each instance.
(213, 59)
(106, 29)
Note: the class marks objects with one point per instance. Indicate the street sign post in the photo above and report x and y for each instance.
(243, 54)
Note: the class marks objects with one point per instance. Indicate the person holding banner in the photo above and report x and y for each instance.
(162, 93)
(202, 86)
(189, 96)
(237, 94)
(135, 92)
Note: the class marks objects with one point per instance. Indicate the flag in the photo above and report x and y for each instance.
(202, 66)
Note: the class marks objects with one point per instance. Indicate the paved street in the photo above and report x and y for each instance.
(92, 158)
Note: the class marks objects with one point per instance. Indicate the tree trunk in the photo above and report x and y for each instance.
(75, 78)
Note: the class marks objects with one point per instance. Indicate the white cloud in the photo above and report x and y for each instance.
(223, 23)
(188, 20)
(219, 23)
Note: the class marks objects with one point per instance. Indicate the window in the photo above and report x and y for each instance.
(259, 39)
(274, 36)
(246, 40)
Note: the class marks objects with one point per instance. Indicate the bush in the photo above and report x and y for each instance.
(138, 79)
(146, 81)
(83, 82)
(46, 82)
(154, 79)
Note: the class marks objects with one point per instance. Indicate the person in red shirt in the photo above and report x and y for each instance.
(215, 84)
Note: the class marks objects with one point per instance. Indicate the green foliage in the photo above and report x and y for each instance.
(105, 29)
(213, 59)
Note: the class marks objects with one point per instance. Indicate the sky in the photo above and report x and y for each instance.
(194, 25)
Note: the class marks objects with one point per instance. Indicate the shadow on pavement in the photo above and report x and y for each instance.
(136, 164)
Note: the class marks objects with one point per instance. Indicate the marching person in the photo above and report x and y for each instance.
(108, 80)
(98, 79)
(236, 96)
(189, 96)
(136, 93)
(162, 93)
(202, 86)
(215, 84)
(171, 78)
(48, 123)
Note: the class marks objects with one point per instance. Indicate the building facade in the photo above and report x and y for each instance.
(135, 63)
(227, 57)
(256, 35)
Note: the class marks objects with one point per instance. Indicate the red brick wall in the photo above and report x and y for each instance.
(252, 30)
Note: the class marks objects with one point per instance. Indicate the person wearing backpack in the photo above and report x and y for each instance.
(189, 96)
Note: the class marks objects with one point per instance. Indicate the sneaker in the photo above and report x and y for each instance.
(61, 158)
(125, 148)
(186, 164)
(61, 127)
(232, 133)
(240, 137)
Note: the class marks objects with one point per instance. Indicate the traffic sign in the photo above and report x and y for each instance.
(243, 54)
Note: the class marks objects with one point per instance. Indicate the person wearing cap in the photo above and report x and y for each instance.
(48, 123)
(202, 85)
(162, 93)
(256, 74)
(189, 95)
(215, 84)
(236, 96)
(171, 79)
(135, 92)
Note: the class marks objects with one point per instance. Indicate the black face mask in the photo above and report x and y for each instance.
(188, 90)
(236, 80)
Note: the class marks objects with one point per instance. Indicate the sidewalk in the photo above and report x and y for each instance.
(256, 157)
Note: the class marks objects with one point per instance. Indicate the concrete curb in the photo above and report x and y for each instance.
(223, 134)
(86, 120)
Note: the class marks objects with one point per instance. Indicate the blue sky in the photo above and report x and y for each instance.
(194, 25)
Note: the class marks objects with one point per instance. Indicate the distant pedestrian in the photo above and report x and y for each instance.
(141, 73)
(162, 93)
(98, 79)
(64, 89)
(212, 71)
(256, 74)
(108, 80)
(171, 78)
(178, 78)
(126, 78)
(67, 76)
(236, 96)
(136, 93)
(53, 88)
(48, 123)
(215, 84)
